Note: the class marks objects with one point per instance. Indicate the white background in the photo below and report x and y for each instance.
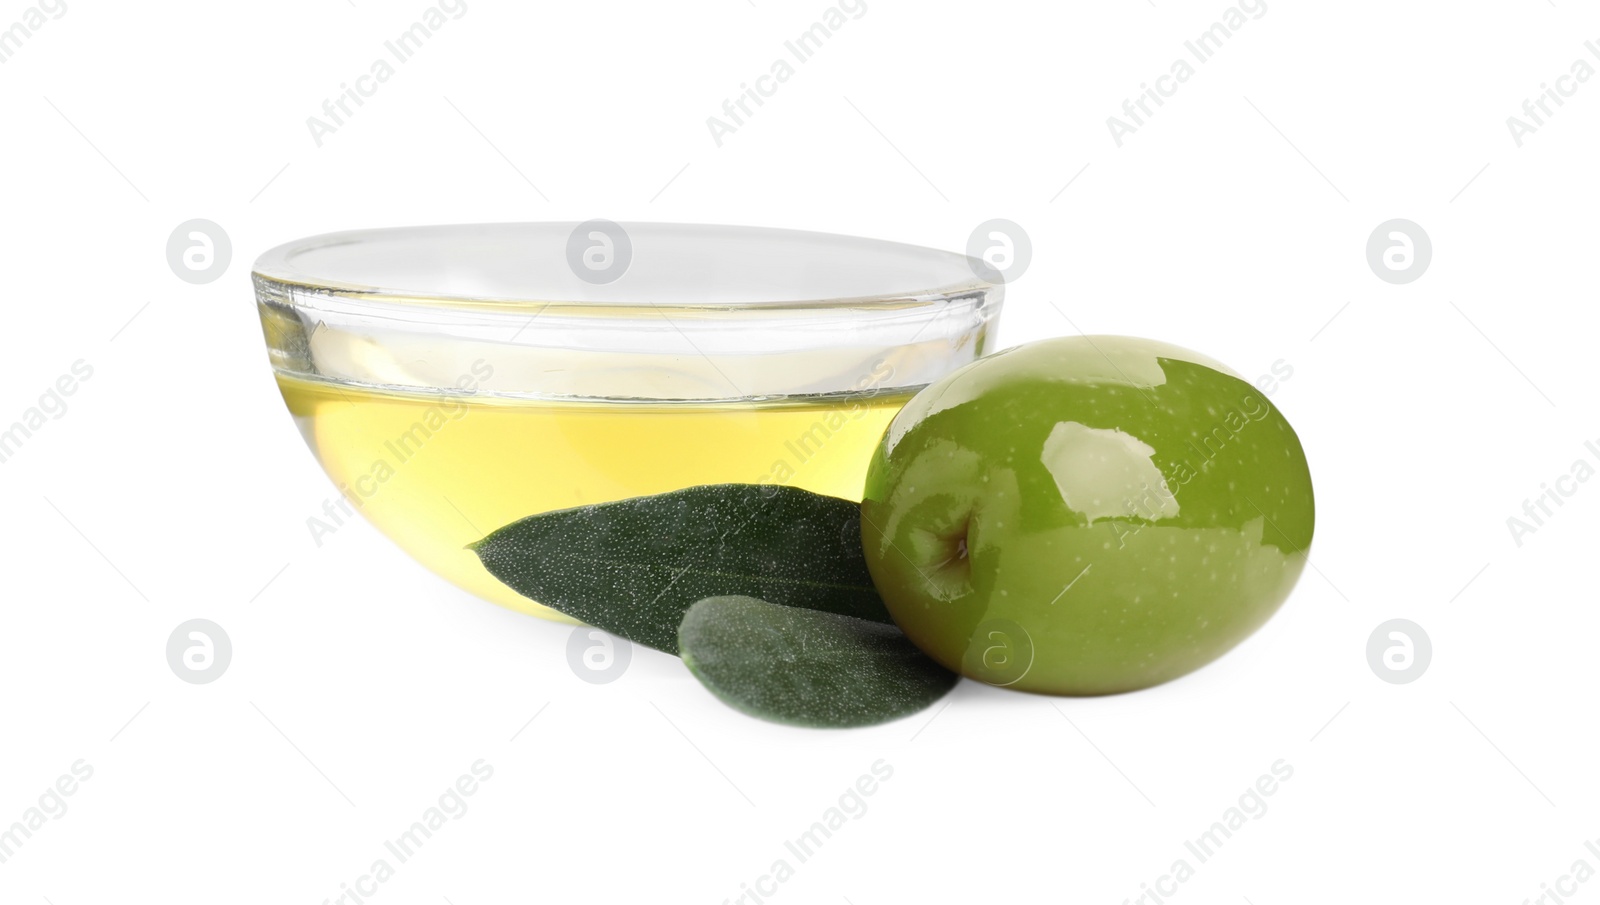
(1234, 222)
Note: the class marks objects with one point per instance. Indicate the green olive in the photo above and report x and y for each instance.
(1086, 515)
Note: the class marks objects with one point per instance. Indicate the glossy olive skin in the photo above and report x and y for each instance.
(1086, 515)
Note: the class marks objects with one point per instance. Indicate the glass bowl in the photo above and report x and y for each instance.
(453, 379)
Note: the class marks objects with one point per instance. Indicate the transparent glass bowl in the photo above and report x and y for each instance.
(453, 379)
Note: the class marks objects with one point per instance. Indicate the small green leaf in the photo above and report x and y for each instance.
(804, 667)
(633, 567)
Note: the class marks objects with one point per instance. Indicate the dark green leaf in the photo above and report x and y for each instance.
(634, 566)
(807, 668)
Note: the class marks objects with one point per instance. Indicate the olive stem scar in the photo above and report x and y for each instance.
(901, 552)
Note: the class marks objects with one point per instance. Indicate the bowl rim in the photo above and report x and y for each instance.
(275, 274)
